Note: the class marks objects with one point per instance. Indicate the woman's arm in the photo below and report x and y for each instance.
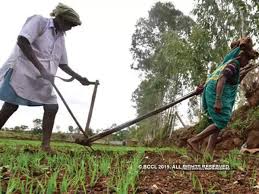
(219, 89)
(229, 71)
(220, 86)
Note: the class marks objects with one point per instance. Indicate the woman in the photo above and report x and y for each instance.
(220, 91)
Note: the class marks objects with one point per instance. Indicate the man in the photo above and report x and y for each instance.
(220, 91)
(27, 76)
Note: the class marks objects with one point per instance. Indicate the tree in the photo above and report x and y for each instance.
(70, 128)
(58, 128)
(5, 129)
(16, 128)
(37, 126)
(174, 58)
(24, 127)
(162, 64)
(225, 21)
(77, 130)
(121, 135)
(163, 17)
(20, 128)
(250, 85)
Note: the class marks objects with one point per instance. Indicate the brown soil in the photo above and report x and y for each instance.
(234, 136)
(160, 179)
(168, 181)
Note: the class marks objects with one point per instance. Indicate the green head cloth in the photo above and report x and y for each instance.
(67, 13)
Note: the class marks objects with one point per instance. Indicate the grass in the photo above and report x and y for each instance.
(64, 185)
(243, 123)
(234, 161)
(105, 165)
(212, 190)
(207, 157)
(252, 179)
(238, 124)
(127, 180)
(180, 151)
(196, 184)
(25, 169)
(93, 169)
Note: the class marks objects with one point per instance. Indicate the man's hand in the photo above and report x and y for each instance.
(199, 89)
(217, 106)
(84, 81)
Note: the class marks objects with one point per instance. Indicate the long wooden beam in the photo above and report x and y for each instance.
(103, 134)
(88, 141)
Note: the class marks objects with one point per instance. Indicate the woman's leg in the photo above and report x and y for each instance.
(212, 142)
(50, 111)
(194, 141)
(6, 112)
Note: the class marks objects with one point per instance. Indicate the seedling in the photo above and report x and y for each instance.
(196, 184)
(252, 180)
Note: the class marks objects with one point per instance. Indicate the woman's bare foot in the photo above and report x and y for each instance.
(210, 151)
(193, 145)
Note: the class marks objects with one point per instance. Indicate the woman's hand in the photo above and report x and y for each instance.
(199, 89)
(218, 106)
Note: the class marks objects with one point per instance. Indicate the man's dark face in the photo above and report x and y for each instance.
(64, 24)
(67, 25)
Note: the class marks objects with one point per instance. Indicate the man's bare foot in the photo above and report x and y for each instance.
(48, 150)
(194, 146)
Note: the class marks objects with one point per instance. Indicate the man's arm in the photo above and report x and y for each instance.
(69, 71)
(27, 50)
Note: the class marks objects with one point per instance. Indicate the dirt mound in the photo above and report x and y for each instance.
(178, 138)
(253, 139)
(244, 120)
(163, 175)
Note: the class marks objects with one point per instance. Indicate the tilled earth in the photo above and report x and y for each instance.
(239, 181)
(157, 176)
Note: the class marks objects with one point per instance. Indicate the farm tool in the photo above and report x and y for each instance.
(96, 83)
(89, 140)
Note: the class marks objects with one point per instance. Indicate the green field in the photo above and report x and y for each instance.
(116, 169)
(25, 169)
